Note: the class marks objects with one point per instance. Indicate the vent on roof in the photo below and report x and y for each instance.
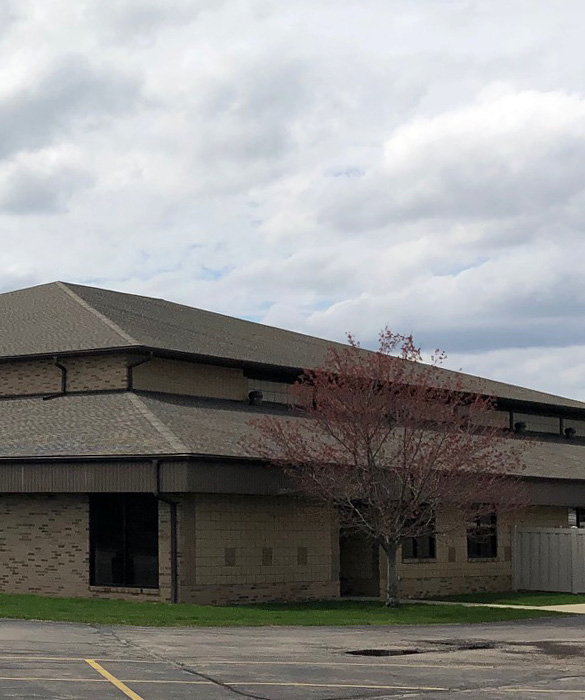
(255, 397)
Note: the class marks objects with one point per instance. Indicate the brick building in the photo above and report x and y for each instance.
(123, 474)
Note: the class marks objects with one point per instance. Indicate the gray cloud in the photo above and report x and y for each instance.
(71, 92)
(28, 191)
(316, 167)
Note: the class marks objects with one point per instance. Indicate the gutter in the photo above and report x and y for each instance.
(174, 543)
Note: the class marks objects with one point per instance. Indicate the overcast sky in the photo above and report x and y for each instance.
(320, 165)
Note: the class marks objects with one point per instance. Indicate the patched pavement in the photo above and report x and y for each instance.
(526, 659)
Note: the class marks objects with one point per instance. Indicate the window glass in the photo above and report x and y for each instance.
(538, 424)
(422, 547)
(123, 540)
(482, 538)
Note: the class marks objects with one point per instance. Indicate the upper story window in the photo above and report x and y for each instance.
(275, 392)
(530, 423)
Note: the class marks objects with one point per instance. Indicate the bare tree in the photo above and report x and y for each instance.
(389, 441)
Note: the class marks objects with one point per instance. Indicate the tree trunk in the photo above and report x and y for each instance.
(392, 583)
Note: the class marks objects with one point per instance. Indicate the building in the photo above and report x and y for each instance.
(123, 474)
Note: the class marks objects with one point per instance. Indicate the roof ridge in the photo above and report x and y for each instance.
(157, 424)
(103, 318)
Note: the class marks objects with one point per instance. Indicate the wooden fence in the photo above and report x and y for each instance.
(549, 559)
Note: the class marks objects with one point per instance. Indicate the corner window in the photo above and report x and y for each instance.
(482, 538)
(123, 535)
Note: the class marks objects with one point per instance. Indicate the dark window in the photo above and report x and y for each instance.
(123, 532)
(580, 512)
(302, 556)
(482, 538)
(422, 547)
(229, 555)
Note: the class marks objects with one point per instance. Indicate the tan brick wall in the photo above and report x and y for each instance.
(96, 373)
(31, 377)
(44, 544)
(256, 548)
(442, 577)
(190, 378)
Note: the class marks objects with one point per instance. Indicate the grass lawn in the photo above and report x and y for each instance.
(110, 612)
(518, 598)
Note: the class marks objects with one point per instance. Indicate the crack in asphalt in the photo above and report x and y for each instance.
(179, 665)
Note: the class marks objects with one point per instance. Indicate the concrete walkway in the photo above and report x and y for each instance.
(573, 608)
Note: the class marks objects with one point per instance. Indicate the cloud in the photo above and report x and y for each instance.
(69, 94)
(41, 184)
(320, 168)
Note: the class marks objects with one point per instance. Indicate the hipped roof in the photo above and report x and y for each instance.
(61, 318)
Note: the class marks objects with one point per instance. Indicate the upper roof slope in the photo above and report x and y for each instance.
(61, 317)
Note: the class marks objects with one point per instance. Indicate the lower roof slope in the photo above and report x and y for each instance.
(145, 425)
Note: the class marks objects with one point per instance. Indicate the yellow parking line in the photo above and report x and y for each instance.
(113, 680)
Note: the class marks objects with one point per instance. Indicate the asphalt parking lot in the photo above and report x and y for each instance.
(526, 659)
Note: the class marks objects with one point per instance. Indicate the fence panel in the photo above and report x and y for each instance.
(549, 559)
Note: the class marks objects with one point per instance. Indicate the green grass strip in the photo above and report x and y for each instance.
(116, 612)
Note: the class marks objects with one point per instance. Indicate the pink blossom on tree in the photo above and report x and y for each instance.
(389, 441)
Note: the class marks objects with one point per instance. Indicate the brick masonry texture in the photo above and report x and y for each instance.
(44, 377)
(96, 373)
(44, 549)
(422, 578)
(44, 544)
(34, 377)
(212, 524)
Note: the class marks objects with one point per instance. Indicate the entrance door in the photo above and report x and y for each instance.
(359, 567)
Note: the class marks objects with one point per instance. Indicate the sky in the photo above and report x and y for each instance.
(319, 166)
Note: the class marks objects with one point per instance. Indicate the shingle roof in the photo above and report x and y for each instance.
(61, 317)
(127, 424)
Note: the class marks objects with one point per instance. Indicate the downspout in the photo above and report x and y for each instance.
(63, 369)
(130, 372)
(174, 548)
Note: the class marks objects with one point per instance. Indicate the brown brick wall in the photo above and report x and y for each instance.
(96, 373)
(44, 544)
(192, 379)
(34, 377)
(256, 548)
(83, 374)
(234, 549)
